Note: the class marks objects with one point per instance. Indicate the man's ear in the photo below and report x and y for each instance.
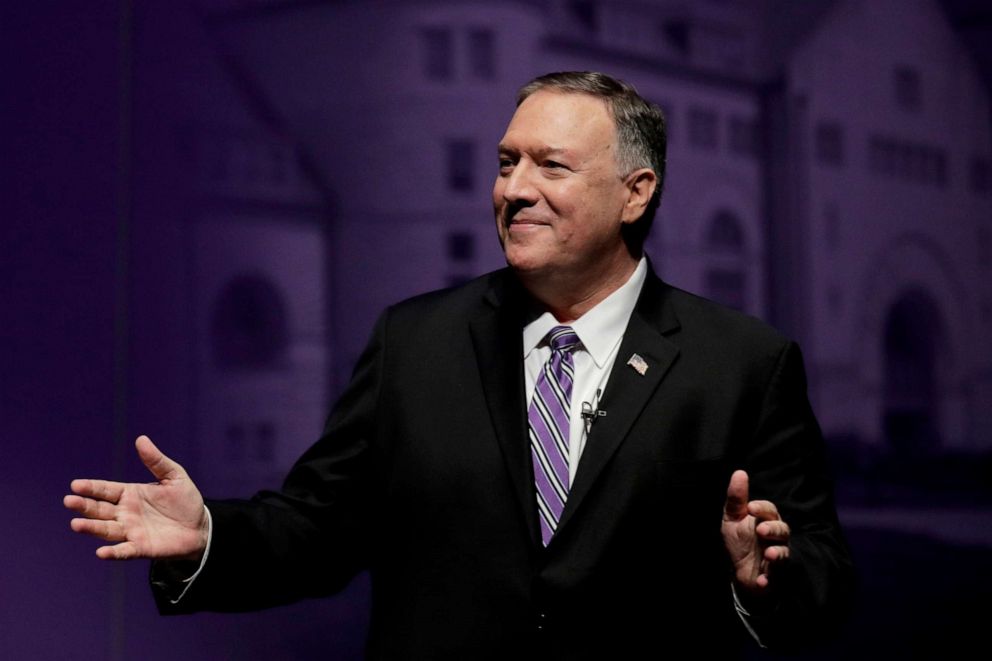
(640, 186)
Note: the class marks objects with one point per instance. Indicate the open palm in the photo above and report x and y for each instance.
(163, 519)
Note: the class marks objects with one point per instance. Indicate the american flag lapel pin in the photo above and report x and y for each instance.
(638, 363)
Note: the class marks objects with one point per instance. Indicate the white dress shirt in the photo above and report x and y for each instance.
(600, 331)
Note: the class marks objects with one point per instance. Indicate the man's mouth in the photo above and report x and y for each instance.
(526, 221)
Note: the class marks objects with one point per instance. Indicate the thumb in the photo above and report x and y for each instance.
(735, 508)
(160, 466)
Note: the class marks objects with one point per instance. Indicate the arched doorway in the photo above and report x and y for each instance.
(913, 342)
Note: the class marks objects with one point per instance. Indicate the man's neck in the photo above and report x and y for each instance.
(568, 298)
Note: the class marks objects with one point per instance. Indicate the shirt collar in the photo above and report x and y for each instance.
(601, 328)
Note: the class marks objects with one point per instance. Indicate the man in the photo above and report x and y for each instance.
(539, 463)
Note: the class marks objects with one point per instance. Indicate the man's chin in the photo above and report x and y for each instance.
(524, 264)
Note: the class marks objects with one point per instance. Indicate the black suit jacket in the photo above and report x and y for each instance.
(423, 476)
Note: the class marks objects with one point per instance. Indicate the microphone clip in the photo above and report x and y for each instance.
(590, 414)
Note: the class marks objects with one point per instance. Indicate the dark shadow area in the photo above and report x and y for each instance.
(920, 599)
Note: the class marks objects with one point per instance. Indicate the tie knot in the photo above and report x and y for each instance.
(562, 338)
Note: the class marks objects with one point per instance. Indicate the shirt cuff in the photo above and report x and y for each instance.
(188, 582)
(744, 615)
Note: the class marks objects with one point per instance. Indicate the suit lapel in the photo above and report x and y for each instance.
(498, 342)
(627, 391)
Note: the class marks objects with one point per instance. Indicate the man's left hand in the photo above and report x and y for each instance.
(755, 535)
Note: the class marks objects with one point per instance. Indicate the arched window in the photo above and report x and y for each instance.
(725, 279)
(914, 333)
(248, 324)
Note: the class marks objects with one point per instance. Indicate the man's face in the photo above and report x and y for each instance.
(559, 197)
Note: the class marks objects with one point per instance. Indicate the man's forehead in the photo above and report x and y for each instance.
(554, 122)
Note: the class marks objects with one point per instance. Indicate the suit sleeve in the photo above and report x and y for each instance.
(311, 537)
(811, 592)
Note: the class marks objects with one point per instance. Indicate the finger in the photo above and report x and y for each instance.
(160, 465)
(123, 551)
(773, 531)
(107, 530)
(776, 553)
(98, 489)
(763, 510)
(91, 509)
(735, 508)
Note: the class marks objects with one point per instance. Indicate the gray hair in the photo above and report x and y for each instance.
(640, 125)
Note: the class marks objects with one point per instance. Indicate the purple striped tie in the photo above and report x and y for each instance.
(549, 417)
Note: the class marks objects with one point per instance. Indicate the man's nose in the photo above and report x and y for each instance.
(519, 188)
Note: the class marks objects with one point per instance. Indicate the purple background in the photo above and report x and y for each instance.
(206, 204)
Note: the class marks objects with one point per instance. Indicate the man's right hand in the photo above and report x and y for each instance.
(163, 519)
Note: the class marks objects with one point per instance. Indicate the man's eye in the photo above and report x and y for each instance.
(505, 163)
(554, 165)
